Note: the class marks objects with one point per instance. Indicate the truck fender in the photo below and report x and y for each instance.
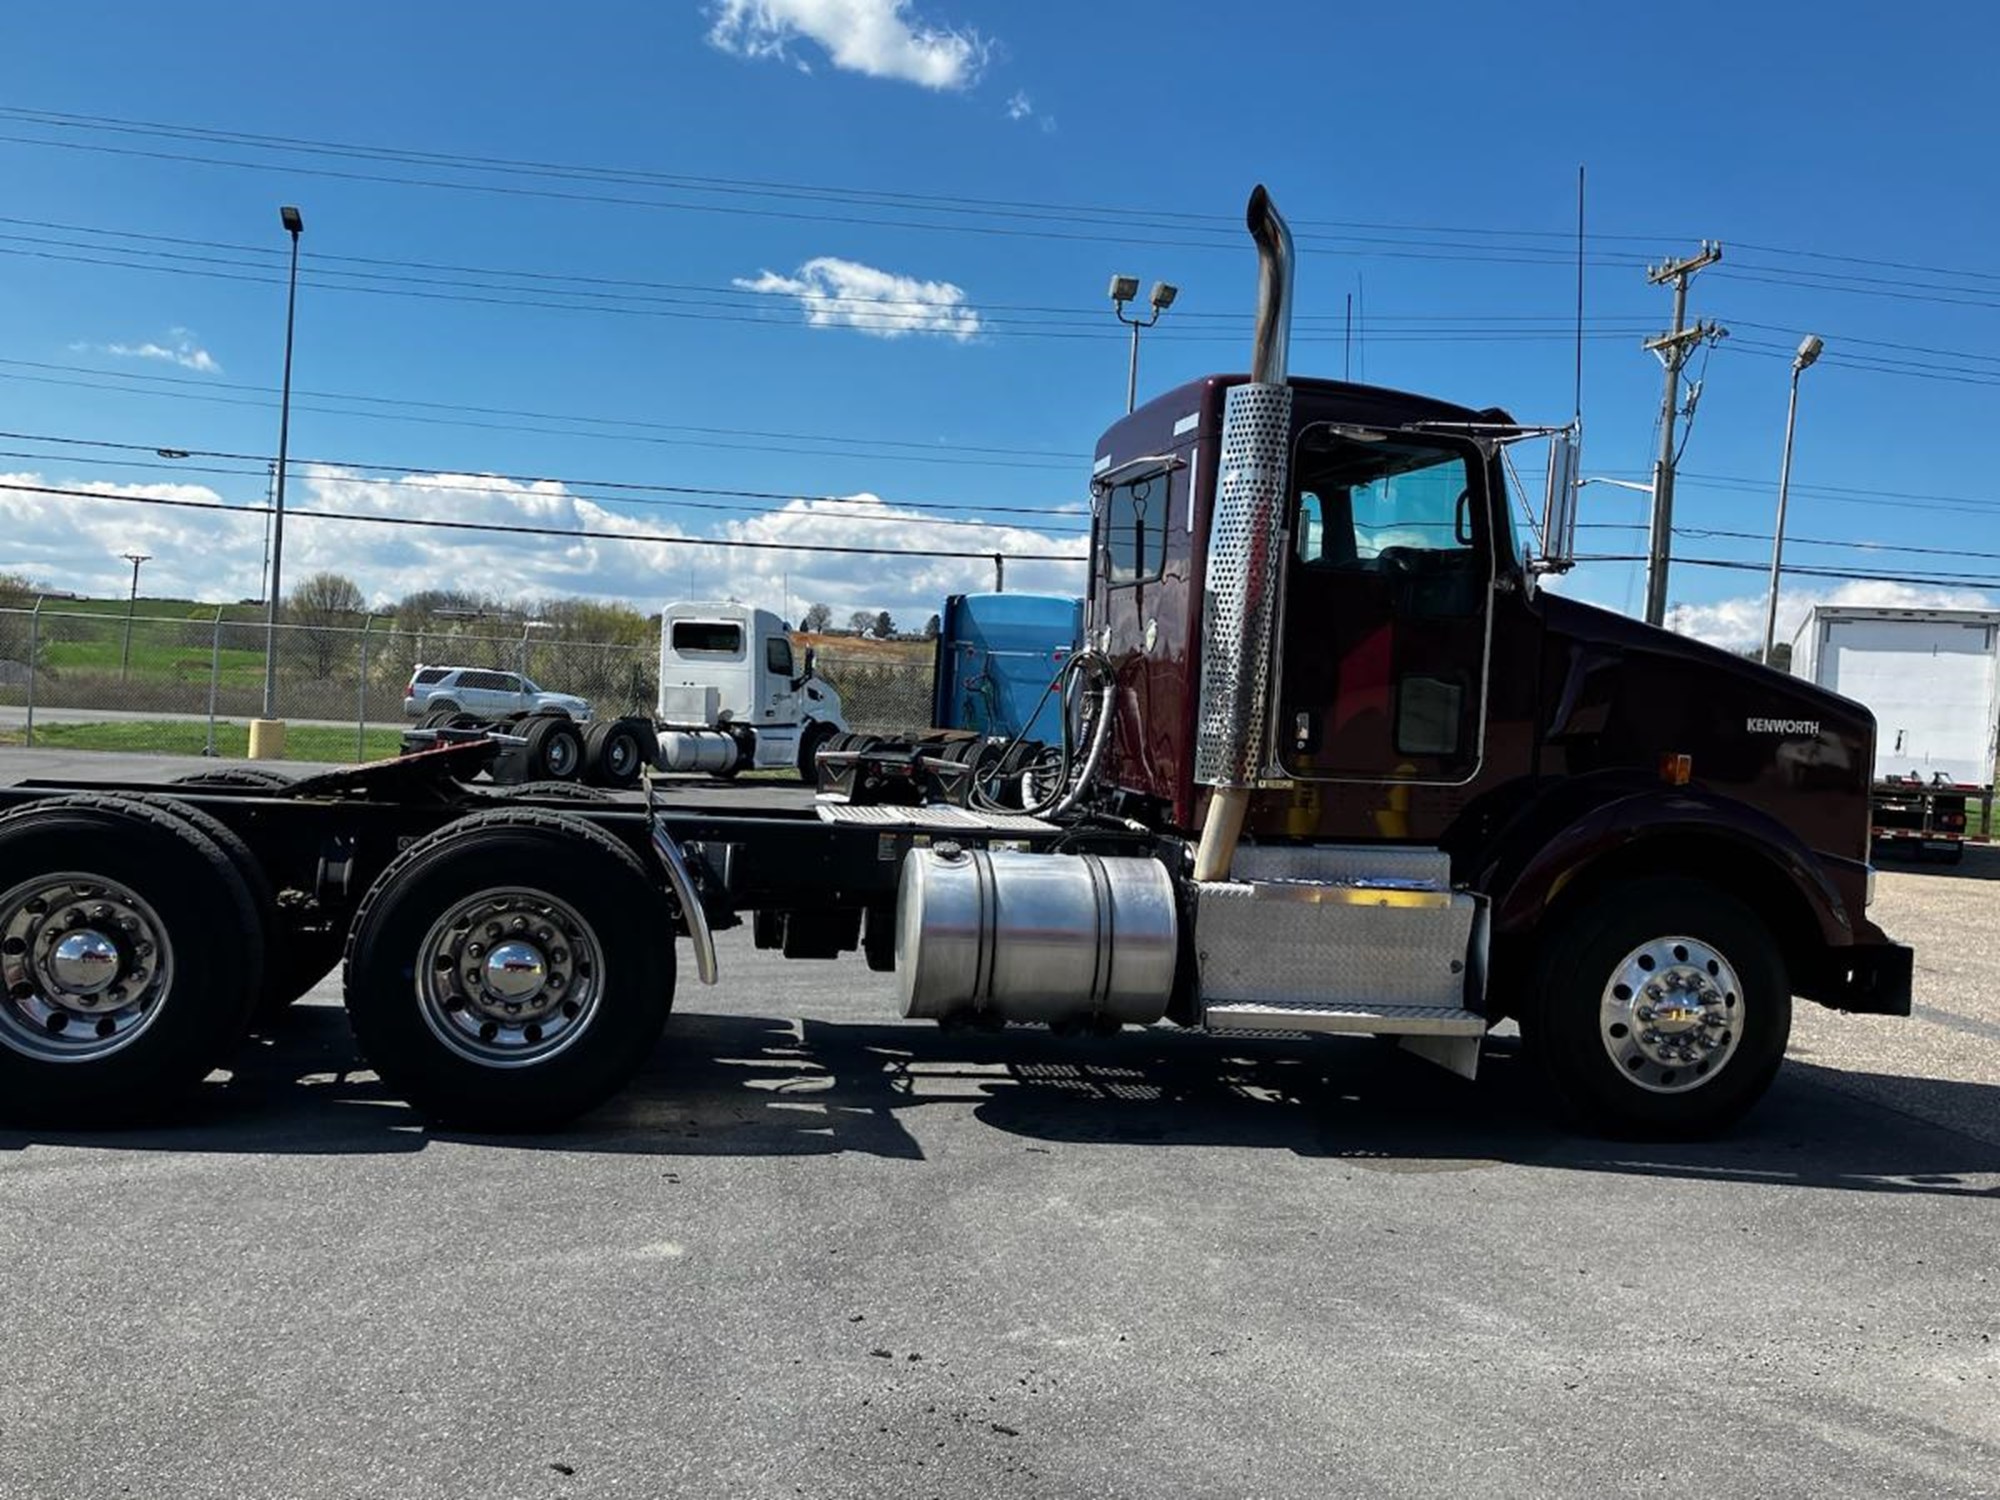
(1535, 865)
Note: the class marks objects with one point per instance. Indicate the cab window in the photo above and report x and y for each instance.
(713, 637)
(1135, 530)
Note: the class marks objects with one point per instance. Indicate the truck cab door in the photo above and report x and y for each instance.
(779, 701)
(1387, 601)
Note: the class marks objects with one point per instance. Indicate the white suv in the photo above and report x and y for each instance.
(476, 690)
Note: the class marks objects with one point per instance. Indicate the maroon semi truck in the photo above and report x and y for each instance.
(1334, 761)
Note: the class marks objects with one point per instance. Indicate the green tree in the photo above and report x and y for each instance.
(327, 607)
(885, 626)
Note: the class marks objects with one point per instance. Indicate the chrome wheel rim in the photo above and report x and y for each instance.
(1672, 1014)
(84, 966)
(509, 977)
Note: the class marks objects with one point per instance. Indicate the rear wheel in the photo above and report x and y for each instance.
(257, 778)
(130, 953)
(442, 709)
(1660, 1007)
(614, 753)
(554, 791)
(300, 946)
(511, 970)
(555, 749)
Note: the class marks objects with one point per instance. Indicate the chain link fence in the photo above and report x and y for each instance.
(879, 694)
(190, 684)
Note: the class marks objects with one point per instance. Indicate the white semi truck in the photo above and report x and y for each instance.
(1931, 677)
(734, 696)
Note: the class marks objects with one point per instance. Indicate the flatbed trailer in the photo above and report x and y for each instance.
(1331, 762)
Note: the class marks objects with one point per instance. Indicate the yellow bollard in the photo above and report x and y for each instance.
(267, 739)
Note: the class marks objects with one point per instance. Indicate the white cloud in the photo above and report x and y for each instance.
(878, 38)
(181, 350)
(1021, 107)
(839, 293)
(73, 544)
(1738, 624)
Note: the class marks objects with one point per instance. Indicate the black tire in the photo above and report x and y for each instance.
(258, 778)
(1566, 1022)
(300, 947)
(407, 1031)
(555, 749)
(615, 753)
(442, 708)
(213, 936)
(555, 791)
(817, 738)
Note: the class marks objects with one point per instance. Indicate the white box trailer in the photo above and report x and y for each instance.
(1931, 677)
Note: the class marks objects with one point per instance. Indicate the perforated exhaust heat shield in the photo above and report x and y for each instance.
(1246, 534)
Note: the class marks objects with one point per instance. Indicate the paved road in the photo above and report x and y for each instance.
(820, 1252)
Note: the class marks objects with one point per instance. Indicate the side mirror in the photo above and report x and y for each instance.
(809, 661)
(1559, 505)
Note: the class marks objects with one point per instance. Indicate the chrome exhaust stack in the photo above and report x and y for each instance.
(1244, 550)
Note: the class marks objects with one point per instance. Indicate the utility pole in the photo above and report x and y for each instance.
(1673, 348)
(131, 603)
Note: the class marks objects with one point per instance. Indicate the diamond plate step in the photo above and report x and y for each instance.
(1359, 950)
(1380, 1020)
(1392, 865)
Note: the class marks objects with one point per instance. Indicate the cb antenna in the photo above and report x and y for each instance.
(1576, 411)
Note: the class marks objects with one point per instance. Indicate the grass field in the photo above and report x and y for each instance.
(190, 737)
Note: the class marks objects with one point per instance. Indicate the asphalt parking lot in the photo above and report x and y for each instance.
(816, 1251)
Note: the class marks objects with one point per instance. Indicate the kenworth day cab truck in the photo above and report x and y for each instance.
(1931, 677)
(1336, 764)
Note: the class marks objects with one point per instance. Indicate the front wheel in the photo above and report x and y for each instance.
(1660, 1007)
(817, 737)
(511, 970)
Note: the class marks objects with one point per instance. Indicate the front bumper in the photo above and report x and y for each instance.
(1870, 978)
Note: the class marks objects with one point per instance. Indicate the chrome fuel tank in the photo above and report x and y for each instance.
(1035, 937)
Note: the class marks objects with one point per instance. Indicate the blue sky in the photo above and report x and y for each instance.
(1430, 168)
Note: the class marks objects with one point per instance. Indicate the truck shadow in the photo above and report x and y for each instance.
(729, 1085)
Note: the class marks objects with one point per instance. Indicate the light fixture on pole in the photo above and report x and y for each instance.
(1809, 350)
(131, 603)
(1125, 289)
(294, 226)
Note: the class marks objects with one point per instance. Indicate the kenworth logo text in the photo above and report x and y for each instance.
(1785, 726)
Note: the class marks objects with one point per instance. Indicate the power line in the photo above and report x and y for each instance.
(569, 482)
(205, 385)
(522, 529)
(890, 198)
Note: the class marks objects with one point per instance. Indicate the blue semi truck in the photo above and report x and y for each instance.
(996, 654)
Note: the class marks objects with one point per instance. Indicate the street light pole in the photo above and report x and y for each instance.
(131, 603)
(1123, 290)
(1809, 349)
(294, 224)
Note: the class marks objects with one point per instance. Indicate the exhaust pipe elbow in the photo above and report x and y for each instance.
(1271, 352)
